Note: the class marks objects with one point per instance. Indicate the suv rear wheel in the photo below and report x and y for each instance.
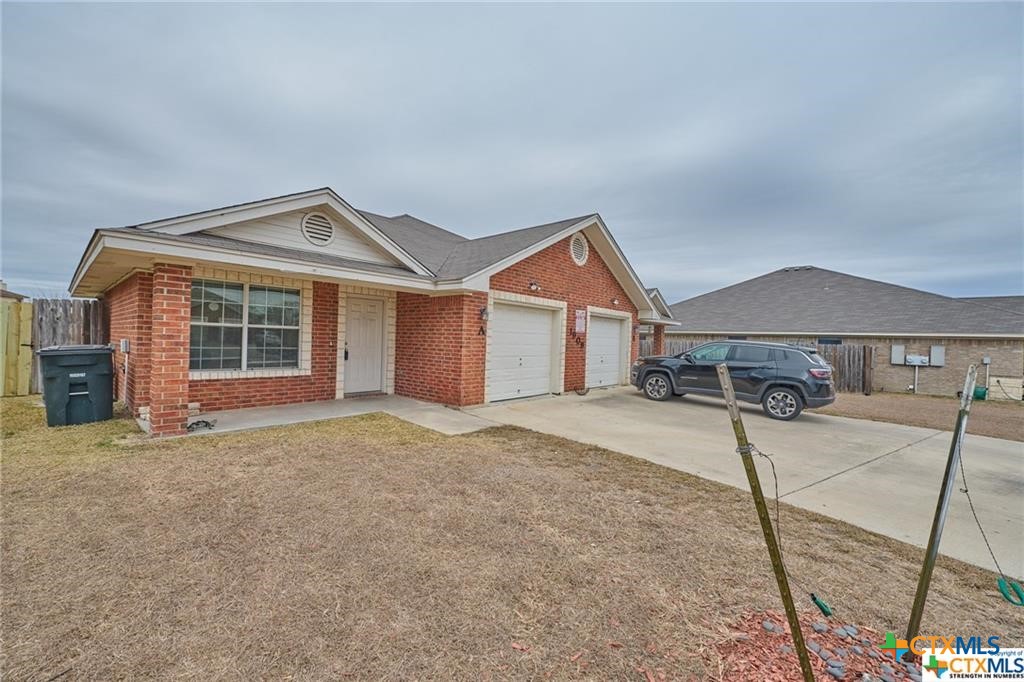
(782, 403)
(657, 387)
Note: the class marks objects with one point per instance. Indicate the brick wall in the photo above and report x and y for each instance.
(129, 309)
(658, 340)
(439, 351)
(1007, 359)
(168, 383)
(560, 278)
(319, 384)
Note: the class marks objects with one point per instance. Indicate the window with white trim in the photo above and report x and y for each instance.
(243, 326)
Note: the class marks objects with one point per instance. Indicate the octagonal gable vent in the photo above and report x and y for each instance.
(317, 229)
(579, 248)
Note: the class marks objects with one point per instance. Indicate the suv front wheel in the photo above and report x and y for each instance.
(657, 387)
(782, 403)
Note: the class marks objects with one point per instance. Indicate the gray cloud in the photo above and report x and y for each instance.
(719, 142)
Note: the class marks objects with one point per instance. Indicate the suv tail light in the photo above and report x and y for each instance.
(820, 373)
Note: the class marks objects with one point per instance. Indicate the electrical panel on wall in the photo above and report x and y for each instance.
(898, 355)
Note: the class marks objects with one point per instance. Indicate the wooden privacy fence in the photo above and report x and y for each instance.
(64, 321)
(31, 325)
(16, 337)
(851, 364)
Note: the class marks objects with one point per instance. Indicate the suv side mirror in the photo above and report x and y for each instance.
(687, 357)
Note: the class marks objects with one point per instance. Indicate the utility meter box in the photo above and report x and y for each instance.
(897, 354)
(917, 360)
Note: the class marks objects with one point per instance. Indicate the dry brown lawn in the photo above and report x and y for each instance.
(996, 418)
(368, 548)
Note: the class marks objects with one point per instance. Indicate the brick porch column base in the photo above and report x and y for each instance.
(168, 387)
(658, 344)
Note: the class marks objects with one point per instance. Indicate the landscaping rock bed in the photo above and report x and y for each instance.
(760, 647)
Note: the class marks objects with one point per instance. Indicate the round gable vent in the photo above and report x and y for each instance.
(317, 229)
(579, 248)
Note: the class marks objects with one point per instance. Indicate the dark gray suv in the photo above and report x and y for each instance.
(782, 377)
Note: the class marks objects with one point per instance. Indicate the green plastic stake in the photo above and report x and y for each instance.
(1012, 591)
(822, 606)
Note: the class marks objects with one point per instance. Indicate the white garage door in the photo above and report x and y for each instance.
(604, 352)
(520, 357)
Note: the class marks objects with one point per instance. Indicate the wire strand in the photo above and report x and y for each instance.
(974, 512)
(778, 516)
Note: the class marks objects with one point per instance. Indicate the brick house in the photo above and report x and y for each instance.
(813, 306)
(303, 298)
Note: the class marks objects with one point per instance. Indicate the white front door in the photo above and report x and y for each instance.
(364, 345)
(521, 357)
(604, 352)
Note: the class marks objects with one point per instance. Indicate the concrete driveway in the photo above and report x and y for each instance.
(882, 477)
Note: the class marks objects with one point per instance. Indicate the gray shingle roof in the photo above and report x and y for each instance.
(429, 244)
(816, 301)
(448, 255)
(1011, 303)
(473, 255)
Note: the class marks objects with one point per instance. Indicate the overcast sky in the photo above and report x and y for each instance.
(718, 142)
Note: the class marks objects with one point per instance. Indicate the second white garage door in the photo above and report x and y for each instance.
(604, 352)
(521, 352)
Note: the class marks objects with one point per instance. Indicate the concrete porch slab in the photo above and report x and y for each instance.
(429, 415)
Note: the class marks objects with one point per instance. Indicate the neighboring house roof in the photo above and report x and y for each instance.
(1011, 303)
(813, 300)
(6, 293)
(438, 259)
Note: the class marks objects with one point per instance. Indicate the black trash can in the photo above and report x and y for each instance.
(77, 384)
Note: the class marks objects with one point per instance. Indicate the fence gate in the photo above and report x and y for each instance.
(851, 366)
(16, 337)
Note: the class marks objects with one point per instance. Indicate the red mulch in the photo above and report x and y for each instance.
(753, 653)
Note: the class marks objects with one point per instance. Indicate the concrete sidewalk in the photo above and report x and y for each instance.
(881, 477)
(429, 415)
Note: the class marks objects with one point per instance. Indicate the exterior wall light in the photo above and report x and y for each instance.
(484, 314)
(534, 286)
(615, 301)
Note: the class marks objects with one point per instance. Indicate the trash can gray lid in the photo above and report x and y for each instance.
(75, 350)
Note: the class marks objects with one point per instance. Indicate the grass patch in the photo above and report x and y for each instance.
(995, 418)
(371, 548)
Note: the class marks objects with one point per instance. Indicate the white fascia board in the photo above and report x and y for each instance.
(659, 321)
(92, 250)
(198, 222)
(884, 335)
(641, 299)
(154, 246)
(663, 308)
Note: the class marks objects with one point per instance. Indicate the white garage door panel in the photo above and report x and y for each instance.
(604, 352)
(520, 357)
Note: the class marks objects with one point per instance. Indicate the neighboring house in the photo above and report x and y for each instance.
(303, 297)
(7, 293)
(819, 307)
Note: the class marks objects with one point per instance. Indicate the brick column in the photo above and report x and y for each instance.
(168, 387)
(658, 345)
